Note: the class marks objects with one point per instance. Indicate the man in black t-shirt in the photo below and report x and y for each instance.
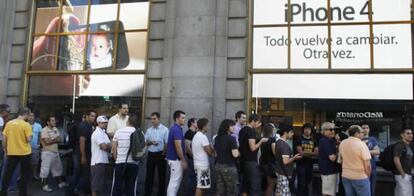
(403, 157)
(306, 146)
(248, 150)
(83, 153)
(190, 172)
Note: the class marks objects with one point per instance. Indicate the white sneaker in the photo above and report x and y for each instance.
(62, 185)
(47, 188)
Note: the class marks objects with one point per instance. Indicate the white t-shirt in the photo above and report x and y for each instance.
(116, 122)
(98, 155)
(199, 154)
(122, 136)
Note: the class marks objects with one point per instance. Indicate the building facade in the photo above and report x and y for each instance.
(211, 58)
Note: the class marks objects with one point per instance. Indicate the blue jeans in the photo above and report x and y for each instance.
(125, 179)
(357, 187)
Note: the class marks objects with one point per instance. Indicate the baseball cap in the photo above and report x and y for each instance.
(101, 119)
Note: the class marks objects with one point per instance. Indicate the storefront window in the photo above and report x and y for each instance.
(74, 94)
(384, 117)
(349, 62)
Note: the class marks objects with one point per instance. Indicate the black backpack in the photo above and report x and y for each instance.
(387, 158)
(137, 147)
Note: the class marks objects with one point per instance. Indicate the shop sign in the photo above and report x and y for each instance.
(365, 115)
(350, 44)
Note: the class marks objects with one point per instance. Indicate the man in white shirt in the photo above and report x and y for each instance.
(201, 149)
(119, 120)
(51, 162)
(126, 169)
(157, 138)
(241, 121)
(100, 146)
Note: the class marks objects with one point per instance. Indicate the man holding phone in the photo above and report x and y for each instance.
(157, 138)
(285, 159)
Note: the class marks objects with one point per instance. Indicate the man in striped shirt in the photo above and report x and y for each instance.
(126, 169)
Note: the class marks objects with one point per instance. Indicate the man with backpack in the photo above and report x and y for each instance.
(402, 157)
(128, 146)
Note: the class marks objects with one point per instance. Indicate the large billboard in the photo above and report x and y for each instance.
(350, 44)
(312, 34)
(94, 35)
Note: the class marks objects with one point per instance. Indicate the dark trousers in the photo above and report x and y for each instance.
(12, 162)
(155, 160)
(1, 154)
(304, 179)
(251, 178)
(125, 179)
(85, 180)
(74, 181)
(373, 180)
(191, 178)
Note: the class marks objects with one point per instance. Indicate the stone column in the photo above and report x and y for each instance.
(14, 19)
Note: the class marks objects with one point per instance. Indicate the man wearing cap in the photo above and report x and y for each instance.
(100, 147)
(51, 162)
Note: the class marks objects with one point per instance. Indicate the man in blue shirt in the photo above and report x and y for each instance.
(157, 138)
(327, 160)
(375, 152)
(175, 153)
(35, 144)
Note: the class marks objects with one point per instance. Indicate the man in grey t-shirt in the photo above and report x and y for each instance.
(284, 159)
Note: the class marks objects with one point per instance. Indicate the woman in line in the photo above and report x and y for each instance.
(226, 150)
(267, 158)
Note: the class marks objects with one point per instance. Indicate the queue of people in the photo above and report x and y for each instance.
(244, 152)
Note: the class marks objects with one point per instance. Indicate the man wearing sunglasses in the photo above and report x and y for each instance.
(327, 160)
